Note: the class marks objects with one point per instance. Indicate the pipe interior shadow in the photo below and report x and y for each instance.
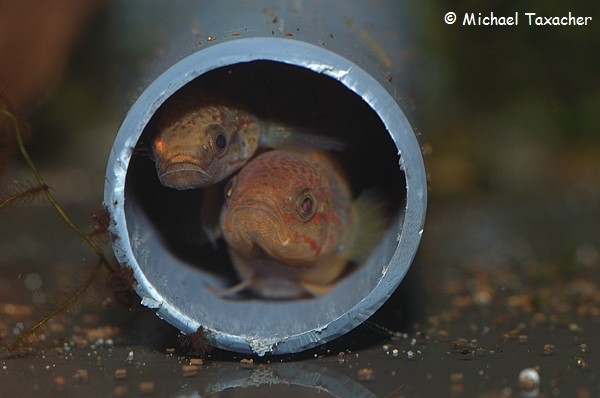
(289, 95)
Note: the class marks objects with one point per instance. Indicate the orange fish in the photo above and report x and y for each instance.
(198, 144)
(292, 226)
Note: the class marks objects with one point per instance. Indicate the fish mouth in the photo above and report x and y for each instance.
(184, 174)
(256, 227)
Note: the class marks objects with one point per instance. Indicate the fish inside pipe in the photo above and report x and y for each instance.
(292, 226)
(199, 143)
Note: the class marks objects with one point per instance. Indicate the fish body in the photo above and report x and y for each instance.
(291, 223)
(200, 143)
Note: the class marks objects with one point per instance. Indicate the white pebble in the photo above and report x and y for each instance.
(529, 379)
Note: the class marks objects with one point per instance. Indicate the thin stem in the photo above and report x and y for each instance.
(68, 302)
(27, 193)
(41, 183)
(90, 277)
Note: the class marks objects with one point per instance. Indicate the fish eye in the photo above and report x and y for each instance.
(217, 136)
(229, 188)
(306, 206)
(221, 141)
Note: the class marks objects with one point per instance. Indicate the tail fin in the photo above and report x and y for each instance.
(277, 136)
(370, 220)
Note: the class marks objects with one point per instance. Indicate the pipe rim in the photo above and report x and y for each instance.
(316, 59)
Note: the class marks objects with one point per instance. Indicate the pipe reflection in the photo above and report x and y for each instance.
(281, 379)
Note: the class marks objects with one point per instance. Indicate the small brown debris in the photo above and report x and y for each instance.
(539, 317)
(101, 221)
(288, 34)
(457, 377)
(549, 349)
(120, 373)
(102, 332)
(443, 335)
(60, 382)
(82, 376)
(120, 391)
(17, 309)
(196, 343)
(247, 361)
(573, 327)
(235, 34)
(365, 374)
(462, 301)
(521, 302)
(341, 358)
(483, 297)
(582, 393)
(196, 361)
(513, 333)
(457, 389)
(427, 149)
(189, 370)
(582, 363)
(120, 280)
(146, 387)
(523, 338)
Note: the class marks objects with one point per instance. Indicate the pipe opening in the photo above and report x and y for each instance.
(165, 227)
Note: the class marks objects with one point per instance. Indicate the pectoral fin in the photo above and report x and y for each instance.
(212, 201)
(316, 289)
(370, 221)
(322, 279)
(230, 291)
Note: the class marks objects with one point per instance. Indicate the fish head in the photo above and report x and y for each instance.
(203, 145)
(282, 204)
